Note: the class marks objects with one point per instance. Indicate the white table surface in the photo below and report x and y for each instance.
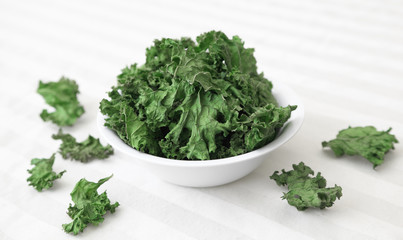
(344, 58)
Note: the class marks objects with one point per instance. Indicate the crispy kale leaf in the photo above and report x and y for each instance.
(365, 141)
(195, 101)
(42, 175)
(61, 95)
(306, 191)
(82, 151)
(89, 206)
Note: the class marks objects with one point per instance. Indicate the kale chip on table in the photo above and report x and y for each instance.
(62, 95)
(84, 151)
(305, 191)
(364, 141)
(89, 206)
(42, 174)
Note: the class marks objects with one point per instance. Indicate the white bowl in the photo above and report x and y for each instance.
(212, 172)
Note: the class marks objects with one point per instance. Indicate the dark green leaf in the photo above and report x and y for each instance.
(42, 175)
(90, 148)
(195, 101)
(364, 141)
(306, 191)
(61, 95)
(89, 206)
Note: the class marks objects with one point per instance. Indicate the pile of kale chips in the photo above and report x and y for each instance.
(195, 101)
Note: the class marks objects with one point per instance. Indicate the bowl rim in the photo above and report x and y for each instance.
(280, 91)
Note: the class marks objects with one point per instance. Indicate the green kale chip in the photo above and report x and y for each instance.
(82, 151)
(61, 95)
(306, 191)
(195, 101)
(90, 207)
(365, 141)
(42, 175)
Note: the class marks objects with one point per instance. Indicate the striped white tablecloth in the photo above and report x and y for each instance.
(344, 58)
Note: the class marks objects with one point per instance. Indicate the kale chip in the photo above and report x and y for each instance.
(306, 191)
(61, 95)
(89, 206)
(195, 101)
(365, 141)
(82, 151)
(42, 175)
